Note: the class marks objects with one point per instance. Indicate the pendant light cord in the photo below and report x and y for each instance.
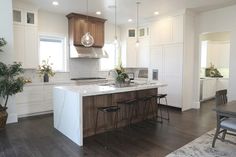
(115, 19)
(87, 14)
(137, 19)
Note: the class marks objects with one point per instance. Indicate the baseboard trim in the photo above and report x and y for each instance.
(35, 114)
(12, 118)
(196, 105)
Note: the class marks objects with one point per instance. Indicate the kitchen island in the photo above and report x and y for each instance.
(75, 106)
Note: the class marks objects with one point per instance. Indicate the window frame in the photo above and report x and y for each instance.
(115, 57)
(65, 49)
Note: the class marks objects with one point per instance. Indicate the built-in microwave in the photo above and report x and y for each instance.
(154, 74)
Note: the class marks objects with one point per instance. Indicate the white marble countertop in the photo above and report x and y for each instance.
(49, 83)
(100, 89)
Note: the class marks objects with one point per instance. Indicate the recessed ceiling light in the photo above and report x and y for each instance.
(98, 13)
(55, 3)
(156, 13)
(130, 20)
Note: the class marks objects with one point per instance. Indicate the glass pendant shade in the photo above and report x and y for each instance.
(87, 40)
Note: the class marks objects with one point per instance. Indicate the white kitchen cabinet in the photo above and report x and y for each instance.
(31, 48)
(138, 56)
(25, 17)
(19, 42)
(35, 99)
(156, 61)
(30, 101)
(168, 60)
(209, 88)
(26, 38)
(131, 53)
(26, 46)
(173, 65)
(166, 31)
(38, 99)
(143, 52)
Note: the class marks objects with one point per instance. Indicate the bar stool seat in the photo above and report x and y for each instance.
(107, 109)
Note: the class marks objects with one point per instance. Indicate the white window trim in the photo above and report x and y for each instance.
(66, 54)
(115, 59)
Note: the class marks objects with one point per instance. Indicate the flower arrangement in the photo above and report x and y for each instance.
(120, 76)
(2, 43)
(46, 70)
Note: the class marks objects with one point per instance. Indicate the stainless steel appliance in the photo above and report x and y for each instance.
(155, 74)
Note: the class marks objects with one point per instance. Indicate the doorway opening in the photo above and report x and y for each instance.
(214, 67)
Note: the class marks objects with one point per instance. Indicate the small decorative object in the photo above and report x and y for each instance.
(46, 70)
(212, 72)
(11, 82)
(121, 78)
(2, 43)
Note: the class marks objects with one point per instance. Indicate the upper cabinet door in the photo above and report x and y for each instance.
(99, 34)
(31, 48)
(25, 17)
(167, 31)
(79, 29)
(31, 18)
(161, 32)
(17, 16)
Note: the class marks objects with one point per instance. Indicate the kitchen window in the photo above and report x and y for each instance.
(53, 48)
(110, 62)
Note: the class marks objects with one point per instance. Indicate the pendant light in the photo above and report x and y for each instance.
(87, 39)
(115, 38)
(137, 39)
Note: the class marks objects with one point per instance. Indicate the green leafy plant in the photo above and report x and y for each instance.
(2, 43)
(46, 69)
(11, 81)
(121, 75)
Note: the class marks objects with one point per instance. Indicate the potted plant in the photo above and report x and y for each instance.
(121, 78)
(46, 70)
(11, 82)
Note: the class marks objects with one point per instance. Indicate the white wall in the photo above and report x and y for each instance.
(6, 30)
(218, 54)
(7, 56)
(219, 20)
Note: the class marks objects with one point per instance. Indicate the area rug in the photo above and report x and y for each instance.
(201, 147)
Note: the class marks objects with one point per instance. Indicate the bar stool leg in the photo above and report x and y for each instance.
(95, 130)
(159, 102)
(167, 110)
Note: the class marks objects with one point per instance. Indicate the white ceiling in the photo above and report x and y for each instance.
(127, 8)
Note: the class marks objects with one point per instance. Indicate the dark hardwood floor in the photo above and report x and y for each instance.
(36, 137)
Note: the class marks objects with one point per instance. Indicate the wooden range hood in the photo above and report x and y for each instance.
(80, 24)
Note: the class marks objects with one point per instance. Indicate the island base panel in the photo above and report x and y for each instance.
(91, 103)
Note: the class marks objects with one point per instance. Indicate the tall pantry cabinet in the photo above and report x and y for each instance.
(172, 53)
(26, 36)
